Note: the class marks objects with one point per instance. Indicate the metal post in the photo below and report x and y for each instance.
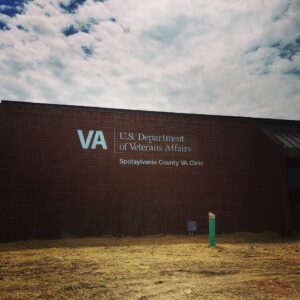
(212, 229)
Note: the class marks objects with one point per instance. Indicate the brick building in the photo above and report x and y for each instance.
(90, 171)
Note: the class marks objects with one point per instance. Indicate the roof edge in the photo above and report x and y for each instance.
(68, 106)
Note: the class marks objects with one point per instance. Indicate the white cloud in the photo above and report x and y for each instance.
(210, 57)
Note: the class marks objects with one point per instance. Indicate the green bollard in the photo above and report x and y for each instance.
(212, 229)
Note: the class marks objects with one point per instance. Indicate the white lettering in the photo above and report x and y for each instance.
(98, 139)
(85, 143)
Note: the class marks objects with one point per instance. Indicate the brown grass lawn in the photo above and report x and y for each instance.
(242, 266)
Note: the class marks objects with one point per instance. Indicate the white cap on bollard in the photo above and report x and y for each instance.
(211, 215)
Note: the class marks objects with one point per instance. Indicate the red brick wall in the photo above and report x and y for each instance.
(50, 186)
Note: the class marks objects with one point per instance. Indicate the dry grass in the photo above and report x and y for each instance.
(242, 266)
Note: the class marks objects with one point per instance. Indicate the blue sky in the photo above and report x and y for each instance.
(221, 57)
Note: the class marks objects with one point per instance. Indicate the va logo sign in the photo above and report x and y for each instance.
(98, 139)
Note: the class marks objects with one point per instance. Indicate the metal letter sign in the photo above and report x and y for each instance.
(99, 139)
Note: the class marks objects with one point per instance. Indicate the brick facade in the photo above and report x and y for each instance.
(51, 187)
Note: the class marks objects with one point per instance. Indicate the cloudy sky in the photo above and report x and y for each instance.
(224, 57)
